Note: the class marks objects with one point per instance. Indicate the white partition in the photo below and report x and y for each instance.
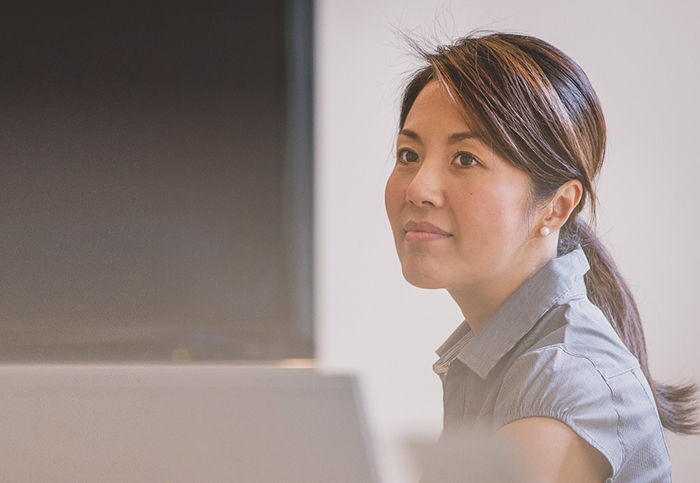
(642, 60)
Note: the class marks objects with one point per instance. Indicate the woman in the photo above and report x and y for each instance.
(500, 139)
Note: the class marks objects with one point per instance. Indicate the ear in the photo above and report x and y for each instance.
(558, 210)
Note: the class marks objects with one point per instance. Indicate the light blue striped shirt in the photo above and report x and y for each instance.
(549, 352)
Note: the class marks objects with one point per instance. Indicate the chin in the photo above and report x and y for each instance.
(421, 279)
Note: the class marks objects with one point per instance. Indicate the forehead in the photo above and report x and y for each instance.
(436, 109)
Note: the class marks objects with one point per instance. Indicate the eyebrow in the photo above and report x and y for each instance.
(459, 136)
(451, 139)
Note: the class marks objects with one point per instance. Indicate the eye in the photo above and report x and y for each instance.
(407, 156)
(465, 160)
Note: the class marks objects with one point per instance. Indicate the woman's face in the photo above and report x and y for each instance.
(459, 213)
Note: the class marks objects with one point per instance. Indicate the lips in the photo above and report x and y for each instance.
(423, 231)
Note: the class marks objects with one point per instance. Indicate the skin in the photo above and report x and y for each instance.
(482, 242)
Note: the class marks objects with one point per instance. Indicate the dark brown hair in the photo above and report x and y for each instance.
(537, 109)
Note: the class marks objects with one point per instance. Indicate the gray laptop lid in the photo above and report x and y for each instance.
(131, 423)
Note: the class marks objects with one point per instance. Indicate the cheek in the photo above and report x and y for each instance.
(513, 212)
(495, 213)
(394, 196)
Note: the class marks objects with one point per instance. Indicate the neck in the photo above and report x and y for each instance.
(479, 302)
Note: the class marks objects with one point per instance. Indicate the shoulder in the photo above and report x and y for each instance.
(552, 381)
(570, 363)
(610, 412)
(568, 456)
(579, 329)
(572, 368)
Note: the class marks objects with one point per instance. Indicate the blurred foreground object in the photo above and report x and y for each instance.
(470, 460)
(159, 423)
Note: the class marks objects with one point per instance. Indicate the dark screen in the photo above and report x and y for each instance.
(143, 162)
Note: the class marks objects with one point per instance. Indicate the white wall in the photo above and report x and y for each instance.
(642, 59)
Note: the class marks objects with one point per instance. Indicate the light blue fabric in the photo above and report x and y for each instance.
(549, 352)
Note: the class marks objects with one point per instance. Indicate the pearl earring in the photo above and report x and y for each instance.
(544, 231)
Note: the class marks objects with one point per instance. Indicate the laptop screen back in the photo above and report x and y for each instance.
(179, 424)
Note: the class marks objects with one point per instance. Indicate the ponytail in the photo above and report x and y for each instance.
(677, 404)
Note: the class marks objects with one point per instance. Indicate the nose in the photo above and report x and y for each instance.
(425, 189)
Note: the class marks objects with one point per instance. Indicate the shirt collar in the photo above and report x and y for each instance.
(519, 313)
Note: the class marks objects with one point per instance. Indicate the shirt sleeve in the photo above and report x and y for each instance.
(554, 383)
